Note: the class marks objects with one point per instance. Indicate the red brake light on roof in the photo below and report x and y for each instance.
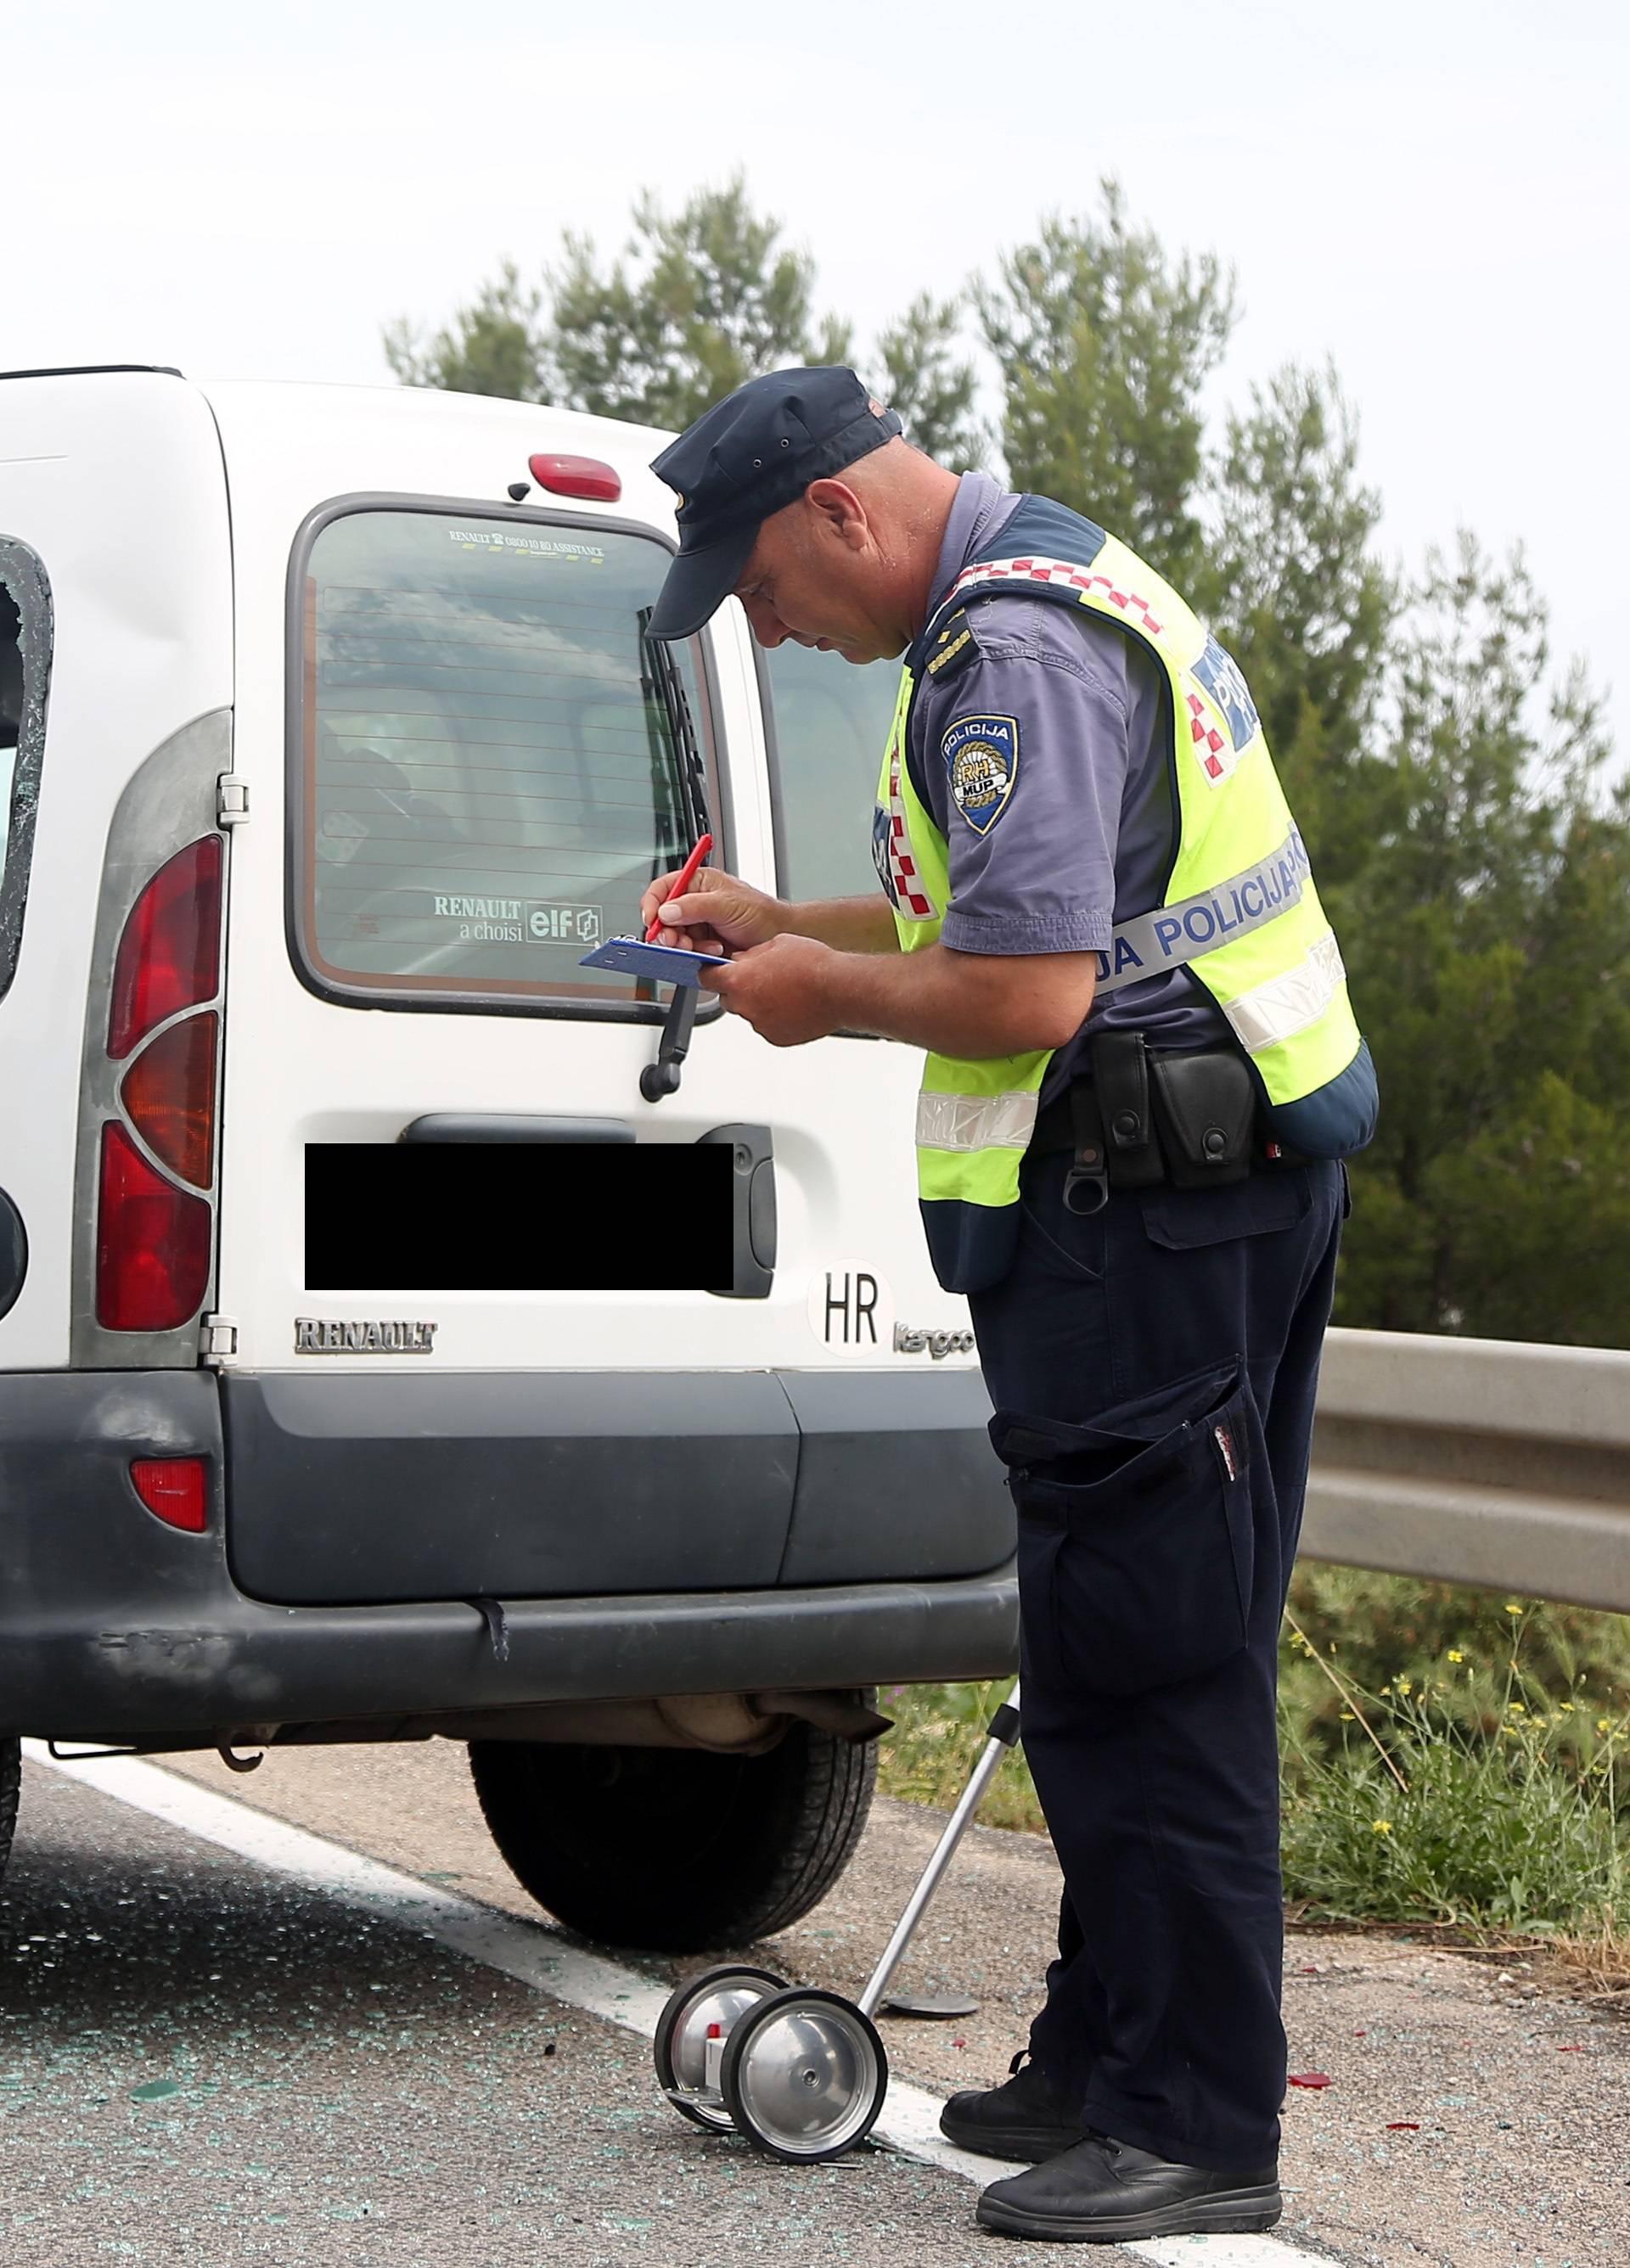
(152, 1243)
(577, 476)
(175, 1490)
(169, 955)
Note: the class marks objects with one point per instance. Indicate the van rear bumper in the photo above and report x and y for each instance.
(116, 1628)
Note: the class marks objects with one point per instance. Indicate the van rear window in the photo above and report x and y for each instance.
(488, 775)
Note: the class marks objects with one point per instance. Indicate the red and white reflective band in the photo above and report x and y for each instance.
(911, 898)
(1052, 570)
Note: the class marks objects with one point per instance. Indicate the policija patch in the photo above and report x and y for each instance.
(982, 756)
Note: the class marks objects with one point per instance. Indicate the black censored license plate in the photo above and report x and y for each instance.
(519, 1217)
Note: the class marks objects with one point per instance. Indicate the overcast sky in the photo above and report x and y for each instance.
(1433, 193)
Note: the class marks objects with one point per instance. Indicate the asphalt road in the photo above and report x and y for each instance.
(201, 2058)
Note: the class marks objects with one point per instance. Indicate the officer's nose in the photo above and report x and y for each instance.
(766, 625)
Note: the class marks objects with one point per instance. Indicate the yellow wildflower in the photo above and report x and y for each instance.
(1518, 1710)
(1347, 1718)
(1380, 1827)
(1404, 1685)
(1510, 1610)
(1455, 1654)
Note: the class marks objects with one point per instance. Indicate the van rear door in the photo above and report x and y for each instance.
(469, 778)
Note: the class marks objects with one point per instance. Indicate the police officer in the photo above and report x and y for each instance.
(1099, 920)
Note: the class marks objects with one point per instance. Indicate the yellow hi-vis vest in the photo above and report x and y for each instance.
(1240, 909)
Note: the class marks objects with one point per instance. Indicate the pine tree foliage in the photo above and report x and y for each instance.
(492, 347)
(700, 301)
(922, 375)
(1487, 938)
(1302, 600)
(1103, 344)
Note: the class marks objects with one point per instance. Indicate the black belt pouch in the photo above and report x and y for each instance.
(1203, 1106)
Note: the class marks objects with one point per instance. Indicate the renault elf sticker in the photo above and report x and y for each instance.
(982, 756)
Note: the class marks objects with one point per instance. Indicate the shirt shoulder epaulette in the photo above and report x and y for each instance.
(953, 647)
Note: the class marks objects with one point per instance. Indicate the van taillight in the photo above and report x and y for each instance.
(169, 1092)
(175, 1490)
(169, 955)
(152, 1243)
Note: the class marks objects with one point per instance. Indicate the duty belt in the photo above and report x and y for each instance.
(1139, 1119)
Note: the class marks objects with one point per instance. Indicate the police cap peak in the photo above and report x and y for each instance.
(750, 456)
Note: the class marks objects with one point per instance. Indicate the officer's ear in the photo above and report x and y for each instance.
(839, 513)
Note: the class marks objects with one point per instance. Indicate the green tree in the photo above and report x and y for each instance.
(1304, 603)
(1103, 344)
(1485, 935)
(932, 388)
(697, 301)
(700, 301)
(492, 346)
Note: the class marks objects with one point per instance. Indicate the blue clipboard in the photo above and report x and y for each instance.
(663, 964)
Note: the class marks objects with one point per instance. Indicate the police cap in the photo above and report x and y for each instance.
(749, 456)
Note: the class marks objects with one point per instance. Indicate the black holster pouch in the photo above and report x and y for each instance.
(1142, 1119)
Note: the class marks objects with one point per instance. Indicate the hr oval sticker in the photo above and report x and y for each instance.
(852, 1310)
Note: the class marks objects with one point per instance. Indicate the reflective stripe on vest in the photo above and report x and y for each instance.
(1241, 911)
(975, 1122)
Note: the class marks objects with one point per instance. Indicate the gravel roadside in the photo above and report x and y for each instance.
(1466, 2122)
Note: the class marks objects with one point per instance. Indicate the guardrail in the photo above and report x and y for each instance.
(1475, 1460)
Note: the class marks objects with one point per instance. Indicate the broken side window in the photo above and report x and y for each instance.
(24, 682)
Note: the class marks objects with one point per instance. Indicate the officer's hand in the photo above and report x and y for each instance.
(716, 914)
(785, 988)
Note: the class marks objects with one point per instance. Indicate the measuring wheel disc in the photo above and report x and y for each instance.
(804, 2076)
(719, 1996)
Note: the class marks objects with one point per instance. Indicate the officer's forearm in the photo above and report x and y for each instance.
(972, 1005)
(848, 924)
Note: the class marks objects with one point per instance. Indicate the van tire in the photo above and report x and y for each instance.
(676, 1850)
(11, 1789)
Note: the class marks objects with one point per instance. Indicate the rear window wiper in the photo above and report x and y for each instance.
(660, 677)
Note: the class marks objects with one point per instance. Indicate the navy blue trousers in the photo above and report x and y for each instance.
(1153, 1370)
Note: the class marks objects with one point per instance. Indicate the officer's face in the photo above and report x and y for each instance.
(816, 577)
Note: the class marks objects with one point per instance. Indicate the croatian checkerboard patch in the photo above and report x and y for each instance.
(982, 756)
(1217, 751)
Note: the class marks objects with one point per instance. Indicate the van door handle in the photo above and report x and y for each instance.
(494, 1126)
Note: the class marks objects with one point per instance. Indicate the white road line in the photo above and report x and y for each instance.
(535, 1956)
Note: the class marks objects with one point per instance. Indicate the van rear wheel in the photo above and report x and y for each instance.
(676, 1850)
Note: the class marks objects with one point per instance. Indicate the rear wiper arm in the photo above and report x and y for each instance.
(670, 688)
(662, 1077)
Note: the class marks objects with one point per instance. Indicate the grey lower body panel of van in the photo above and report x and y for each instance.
(685, 1535)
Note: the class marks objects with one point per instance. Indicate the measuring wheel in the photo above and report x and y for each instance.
(804, 2076)
(703, 2012)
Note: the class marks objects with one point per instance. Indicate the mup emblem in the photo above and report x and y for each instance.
(982, 756)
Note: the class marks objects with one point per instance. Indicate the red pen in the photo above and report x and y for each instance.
(686, 875)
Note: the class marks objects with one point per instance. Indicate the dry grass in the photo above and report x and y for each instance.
(1597, 1964)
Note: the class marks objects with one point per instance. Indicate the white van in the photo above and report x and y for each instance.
(334, 742)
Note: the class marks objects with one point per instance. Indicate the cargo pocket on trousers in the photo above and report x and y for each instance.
(1135, 1536)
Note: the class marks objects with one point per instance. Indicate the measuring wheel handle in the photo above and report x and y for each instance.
(804, 2076)
(691, 2033)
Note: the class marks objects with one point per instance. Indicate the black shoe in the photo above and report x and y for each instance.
(1023, 2119)
(1104, 2192)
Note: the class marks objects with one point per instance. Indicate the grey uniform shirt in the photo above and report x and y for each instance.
(1084, 836)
